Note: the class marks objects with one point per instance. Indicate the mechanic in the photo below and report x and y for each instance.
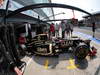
(63, 28)
(71, 28)
(67, 30)
(52, 30)
(22, 41)
(7, 65)
(93, 29)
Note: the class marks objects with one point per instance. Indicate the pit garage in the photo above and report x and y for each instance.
(76, 55)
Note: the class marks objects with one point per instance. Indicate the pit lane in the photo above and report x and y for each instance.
(64, 64)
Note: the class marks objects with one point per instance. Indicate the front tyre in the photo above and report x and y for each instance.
(81, 51)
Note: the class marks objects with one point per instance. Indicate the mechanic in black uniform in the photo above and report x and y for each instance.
(93, 29)
(7, 65)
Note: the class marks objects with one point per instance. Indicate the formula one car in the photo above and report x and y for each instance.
(42, 45)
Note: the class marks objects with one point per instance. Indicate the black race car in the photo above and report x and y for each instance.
(42, 45)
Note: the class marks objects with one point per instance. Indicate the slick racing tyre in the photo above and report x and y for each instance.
(81, 51)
